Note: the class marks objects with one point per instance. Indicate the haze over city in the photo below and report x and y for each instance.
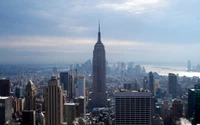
(37, 31)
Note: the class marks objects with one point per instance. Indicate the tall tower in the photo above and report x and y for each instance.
(177, 111)
(5, 109)
(151, 82)
(30, 96)
(172, 84)
(99, 73)
(189, 66)
(4, 87)
(53, 102)
(80, 89)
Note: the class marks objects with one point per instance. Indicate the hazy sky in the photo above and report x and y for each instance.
(132, 30)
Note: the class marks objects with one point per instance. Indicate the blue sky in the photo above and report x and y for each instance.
(132, 30)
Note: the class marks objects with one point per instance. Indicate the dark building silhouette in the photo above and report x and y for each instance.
(99, 74)
(18, 92)
(5, 110)
(4, 87)
(197, 104)
(194, 104)
(151, 82)
(177, 111)
(28, 117)
(68, 81)
(127, 86)
(172, 84)
(64, 80)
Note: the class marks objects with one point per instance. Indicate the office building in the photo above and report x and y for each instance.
(99, 74)
(172, 84)
(194, 104)
(133, 108)
(80, 88)
(151, 82)
(4, 87)
(18, 92)
(5, 110)
(30, 96)
(189, 66)
(28, 117)
(82, 106)
(136, 85)
(130, 65)
(71, 111)
(53, 102)
(145, 83)
(191, 103)
(127, 86)
(16, 104)
(55, 71)
(68, 83)
(64, 80)
(71, 88)
(177, 111)
(197, 104)
(164, 110)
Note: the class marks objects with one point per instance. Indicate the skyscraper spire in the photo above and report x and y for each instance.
(99, 34)
(99, 25)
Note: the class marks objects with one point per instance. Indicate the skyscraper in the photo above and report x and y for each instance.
(177, 111)
(82, 106)
(53, 102)
(18, 92)
(67, 81)
(64, 80)
(191, 103)
(189, 66)
(30, 96)
(151, 82)
(28, 117)
(80, 89)
(99, 74)
(172, 84)
(197, 104)
(5, 109)
(133, 108)
(194, 104)
(4, 87)
(127, 86)
(71, 111)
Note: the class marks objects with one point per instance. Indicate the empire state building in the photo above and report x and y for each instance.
(99, 74)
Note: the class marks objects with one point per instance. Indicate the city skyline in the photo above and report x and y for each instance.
(36, 31)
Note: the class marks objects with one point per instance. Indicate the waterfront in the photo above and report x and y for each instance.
(164, 70)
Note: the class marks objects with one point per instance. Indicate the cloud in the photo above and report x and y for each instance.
(132, 30)
(134, 6)
(64, 48)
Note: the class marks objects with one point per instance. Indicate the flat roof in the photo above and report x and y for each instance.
(133, 94)
(71, 103)
(5, 97)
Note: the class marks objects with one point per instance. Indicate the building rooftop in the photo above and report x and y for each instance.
(71, 103)
(5, 97)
